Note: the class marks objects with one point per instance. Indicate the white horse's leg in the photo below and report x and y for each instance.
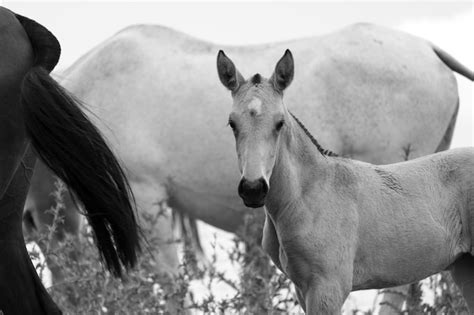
(392, 300)
(156, 221)
(463, 275)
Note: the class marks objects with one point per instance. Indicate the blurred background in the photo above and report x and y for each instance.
(80, 26)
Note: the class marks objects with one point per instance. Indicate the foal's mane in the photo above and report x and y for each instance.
(313, 140)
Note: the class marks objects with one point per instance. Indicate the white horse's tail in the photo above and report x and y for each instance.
(452, 63)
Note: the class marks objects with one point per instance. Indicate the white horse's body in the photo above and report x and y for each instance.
(363, 90)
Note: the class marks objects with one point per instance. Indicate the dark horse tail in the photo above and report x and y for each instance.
(72, 147)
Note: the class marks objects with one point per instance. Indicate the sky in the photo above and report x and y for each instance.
(80, 26)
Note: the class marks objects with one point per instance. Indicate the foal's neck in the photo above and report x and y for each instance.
(299, 166)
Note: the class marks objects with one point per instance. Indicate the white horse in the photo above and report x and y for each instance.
(334, 225)
(362, 89)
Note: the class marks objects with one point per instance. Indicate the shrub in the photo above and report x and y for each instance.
(260, 288)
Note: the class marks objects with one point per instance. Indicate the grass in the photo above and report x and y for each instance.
(260, 288)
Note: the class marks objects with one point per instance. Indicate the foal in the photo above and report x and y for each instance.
(334, 225)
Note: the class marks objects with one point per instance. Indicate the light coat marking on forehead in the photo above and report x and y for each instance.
(255, 106)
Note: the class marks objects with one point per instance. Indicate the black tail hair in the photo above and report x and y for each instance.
(72, 147)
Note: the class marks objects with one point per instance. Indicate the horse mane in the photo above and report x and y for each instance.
(324, 152)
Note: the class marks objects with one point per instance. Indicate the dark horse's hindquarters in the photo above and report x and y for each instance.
(33, 107)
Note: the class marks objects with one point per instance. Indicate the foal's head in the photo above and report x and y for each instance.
(257, 117)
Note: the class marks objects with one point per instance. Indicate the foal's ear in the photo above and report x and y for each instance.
(228, 74)
(284, 72)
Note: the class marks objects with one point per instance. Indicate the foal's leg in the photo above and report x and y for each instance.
(271, 246)
(463, 275)
(325, 296)
(300, 297)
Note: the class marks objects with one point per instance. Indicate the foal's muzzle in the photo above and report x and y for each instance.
(253, 193)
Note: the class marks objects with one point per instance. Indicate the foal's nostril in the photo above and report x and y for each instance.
(264, 186)
(250, 187)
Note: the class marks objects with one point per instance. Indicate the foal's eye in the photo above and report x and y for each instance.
(279, 125)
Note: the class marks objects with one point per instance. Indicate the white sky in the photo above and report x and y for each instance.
(80, 26)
